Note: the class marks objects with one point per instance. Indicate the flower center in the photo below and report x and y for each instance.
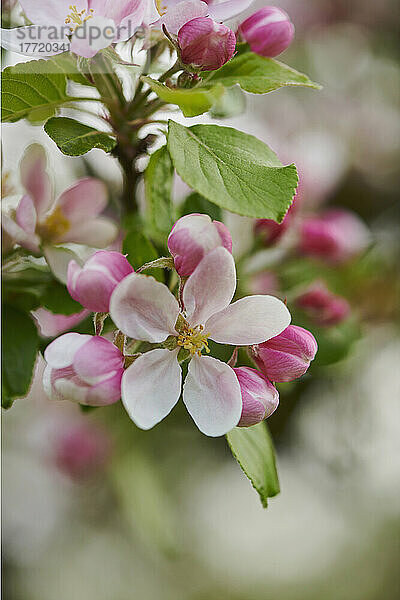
(162, 9)
(75, 18)
(54, 226)
(193, 339)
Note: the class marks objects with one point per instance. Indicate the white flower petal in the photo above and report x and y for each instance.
(251, 320)
(151, 387)
(60, 353)
(211, 286)
(212, 395)
(58, 259)
(144, 308)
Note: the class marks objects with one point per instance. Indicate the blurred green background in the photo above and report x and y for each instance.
(168, 513)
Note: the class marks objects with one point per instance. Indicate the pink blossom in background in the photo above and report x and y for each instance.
(81, 449)
(205, 44)
(322, 306)
(337, 235)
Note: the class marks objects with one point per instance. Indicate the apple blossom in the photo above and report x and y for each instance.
(268, 31)
(260, 398)
(40, 222)
(322, 306)
(192, 237)
(93, 284)
(336, 235)
(83, 368)
(81, 449)
(146, 310)
(175, 13)
(88, 25)
(286, 356)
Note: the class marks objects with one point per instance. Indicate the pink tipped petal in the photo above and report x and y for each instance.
(30, 241)
(249, 319)
(144, 309)
(86, 199)
(97, 233)
(50, 12)
(50, 324)
(106, 392)
(26, 215)
(212, 395)
(224, 234)
(96, 358)
(181, 13)
(60, 353)
(35, 179)
(211, 287)
(151, 387)
(227, 10)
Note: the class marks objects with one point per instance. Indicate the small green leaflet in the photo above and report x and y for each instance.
(31, 86)
(232, 169)
(257, 75)
(158, 180)
(20, 345)
(74, 138)
(253, 449)
(192, 102)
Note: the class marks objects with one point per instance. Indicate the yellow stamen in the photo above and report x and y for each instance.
(77, 18)
(162, 9)
(193, 339)
(54, 226)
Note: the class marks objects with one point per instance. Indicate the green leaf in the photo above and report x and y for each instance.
(253, 449)
(158, 180)
(232, 104)
(68, 63)
(74, 138)
(20, 342)
(32, 86)
(195, 203)
(192, 102)
(233, 170)
(257, 75)
(56, 299)
(140, 251)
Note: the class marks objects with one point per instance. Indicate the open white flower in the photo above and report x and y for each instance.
(146, 310)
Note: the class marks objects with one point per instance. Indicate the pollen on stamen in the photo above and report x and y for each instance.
(193, 340)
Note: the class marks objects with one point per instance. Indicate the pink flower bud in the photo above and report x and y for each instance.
(205, 44)
(270, 231)
(337, 236)
(192, 237)
(50, 324)
(323, 307)
(81, 450)
(83, 368)
(260, 398)
(93, 284)
(286, 356)
(268, 31)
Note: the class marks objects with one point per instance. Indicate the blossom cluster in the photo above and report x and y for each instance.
(195, 27)
(166, 331)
